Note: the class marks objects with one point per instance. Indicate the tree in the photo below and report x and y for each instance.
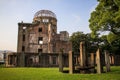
(104, 45)
(76, 38)
(90, 43)
(114, 41)
(106, 17)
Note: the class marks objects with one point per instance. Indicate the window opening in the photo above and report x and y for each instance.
(23, 48)
(40, 30)
(23, 37)
(40, 40)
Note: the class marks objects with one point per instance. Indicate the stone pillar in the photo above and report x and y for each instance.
(107, 61)
(15, 60)
(98, 61)
(71, 65)
(50, 60)
(92, 60)
(60, 62)
(76, 58)
(7, 60)
(82, 54)
(112, 60)
(22, 59)
(92, 57)
(39, 60)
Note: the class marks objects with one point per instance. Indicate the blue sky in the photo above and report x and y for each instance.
(72, 16)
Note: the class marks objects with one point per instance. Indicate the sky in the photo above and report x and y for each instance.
(72, 16)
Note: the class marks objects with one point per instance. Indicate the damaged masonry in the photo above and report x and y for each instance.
(39, 44)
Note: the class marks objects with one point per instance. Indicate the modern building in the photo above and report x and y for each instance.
(39, 44)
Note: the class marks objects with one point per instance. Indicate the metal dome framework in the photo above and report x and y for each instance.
(44, 13)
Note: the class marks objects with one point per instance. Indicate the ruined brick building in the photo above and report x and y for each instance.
(39, 43)
(41, 35)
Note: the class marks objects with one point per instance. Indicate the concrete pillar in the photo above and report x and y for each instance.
(92, 60)
(60, 62)
(22, 59)
(50, 60)
(39, 60)
(7, 60)
(71, 65)
(98, 61)
(92, 57)
(82, 54)
(112, 60)
(15, 60)
(107, 61)
(76, 58)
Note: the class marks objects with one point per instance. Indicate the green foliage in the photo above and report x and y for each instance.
(76, 38)
(54, 74)
(111, 37)
(114, 41)
(91, 44)
(106, 17)
(104, 45)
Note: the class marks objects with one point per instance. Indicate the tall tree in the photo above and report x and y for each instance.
(106, 17)
(114, 41)
(90, 43)
(76, 38)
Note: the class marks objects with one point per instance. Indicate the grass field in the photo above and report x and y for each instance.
(54, 74)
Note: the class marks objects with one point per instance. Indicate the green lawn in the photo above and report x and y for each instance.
(54, 74)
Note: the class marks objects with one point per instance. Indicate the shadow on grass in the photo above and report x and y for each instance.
(67, 71)
(2, 65)
(114, 72)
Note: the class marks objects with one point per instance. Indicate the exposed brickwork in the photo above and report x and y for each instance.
(38, 38)
(42, 34)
